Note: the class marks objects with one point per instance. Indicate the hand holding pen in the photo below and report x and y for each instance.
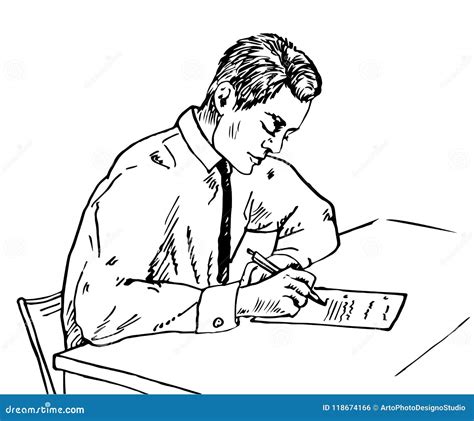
(270, 267)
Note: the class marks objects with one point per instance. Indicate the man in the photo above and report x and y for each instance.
(154, 244)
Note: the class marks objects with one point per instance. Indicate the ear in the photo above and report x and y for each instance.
(224, 97)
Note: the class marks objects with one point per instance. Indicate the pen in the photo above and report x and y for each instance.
(264, 263)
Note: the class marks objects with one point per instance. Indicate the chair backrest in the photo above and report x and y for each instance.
(42, 319)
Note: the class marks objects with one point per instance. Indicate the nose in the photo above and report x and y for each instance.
(274, 144)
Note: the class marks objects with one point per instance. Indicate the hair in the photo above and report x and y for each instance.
(258, 67)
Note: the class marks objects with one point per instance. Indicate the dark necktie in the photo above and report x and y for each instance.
(223, 256)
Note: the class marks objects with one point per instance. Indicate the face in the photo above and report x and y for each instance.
(245, 137)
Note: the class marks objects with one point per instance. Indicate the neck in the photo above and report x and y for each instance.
(207, 123)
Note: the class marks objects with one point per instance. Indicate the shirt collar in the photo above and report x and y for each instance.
(196, 141)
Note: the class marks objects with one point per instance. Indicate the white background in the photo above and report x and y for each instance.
(390, 136)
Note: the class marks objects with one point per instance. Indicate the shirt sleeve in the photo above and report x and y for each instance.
(305, 221)
(217, 308)
(115, 296)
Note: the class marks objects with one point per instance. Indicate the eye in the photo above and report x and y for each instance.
(270, 132)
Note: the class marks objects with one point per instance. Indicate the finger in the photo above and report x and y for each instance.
(302, 275)
(258, 274)
(253, 274)
(245, 279)
(296, 266)
(298, 300)
(299, 287)
(284, 261)
(291, 306)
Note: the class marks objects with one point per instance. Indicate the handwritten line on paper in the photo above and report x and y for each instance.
(348, 308)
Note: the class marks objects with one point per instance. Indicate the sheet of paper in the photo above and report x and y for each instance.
(346, 308)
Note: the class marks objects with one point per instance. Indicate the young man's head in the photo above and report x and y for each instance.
(260, 94)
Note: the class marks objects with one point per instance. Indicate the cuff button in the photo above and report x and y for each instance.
(218, 322)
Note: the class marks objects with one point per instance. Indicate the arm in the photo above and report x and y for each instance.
(116, 296)
(304, 220)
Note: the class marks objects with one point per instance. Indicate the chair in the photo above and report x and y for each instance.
(42, 319)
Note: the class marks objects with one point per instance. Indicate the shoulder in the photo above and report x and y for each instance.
(149, 160)
(140, 169)
(274, 171)
(153, 150)
(277, 174)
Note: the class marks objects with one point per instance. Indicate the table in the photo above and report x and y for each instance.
(428, 264)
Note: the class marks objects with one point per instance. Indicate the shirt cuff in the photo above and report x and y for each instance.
(217, 309)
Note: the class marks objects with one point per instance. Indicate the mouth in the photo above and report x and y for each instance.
(255, 159)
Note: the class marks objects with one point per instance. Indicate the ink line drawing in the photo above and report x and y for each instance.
(156, 249)
(346, 308)
(429, 349)
(182, 199)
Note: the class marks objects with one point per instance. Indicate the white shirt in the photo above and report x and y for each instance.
(144, 259)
